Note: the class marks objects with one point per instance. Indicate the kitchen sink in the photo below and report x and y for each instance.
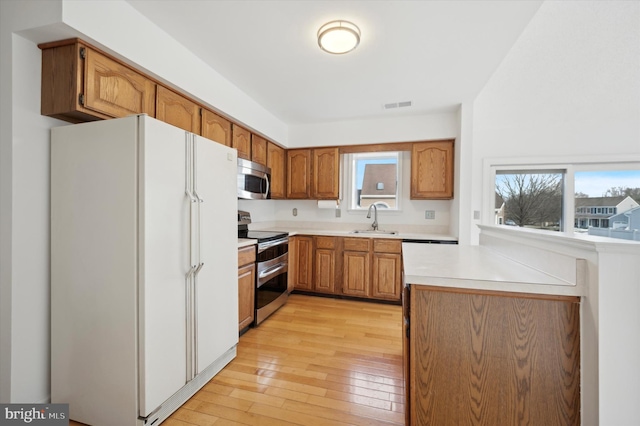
(374, 232)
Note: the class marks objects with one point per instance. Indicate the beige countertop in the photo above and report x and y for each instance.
(350, 233)
(244, 242)
(478, 267)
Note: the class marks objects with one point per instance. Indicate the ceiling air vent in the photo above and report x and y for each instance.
(397, 105)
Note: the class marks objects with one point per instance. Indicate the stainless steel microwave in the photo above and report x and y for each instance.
(253, 180)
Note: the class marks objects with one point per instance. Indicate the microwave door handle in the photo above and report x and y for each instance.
(266, 193)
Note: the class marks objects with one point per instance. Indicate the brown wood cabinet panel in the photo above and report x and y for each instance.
(116, 90)
(356, 275)
(387, 246)
(276, 161)
(298, 173)
(386, 276)
(80, 84)
(326, 242)
(215, 127)
(246, 295)
(177, 110)
(356, 244)
(325, 271)
(432, 170)
(258, 149)
(246, 255)
(302, 267)
(241, 141)
(325, 174)
(492, 359)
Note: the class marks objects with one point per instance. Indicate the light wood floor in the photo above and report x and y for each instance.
(316, 361)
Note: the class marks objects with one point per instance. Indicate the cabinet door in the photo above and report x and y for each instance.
(356, 273)
(177, 110)
(432, 170)
(303, 263)
(246, 295)
(276, 162)
(325, 271)
(387, 270)
(241, 141)
(116, 90)
(298, 173)
(216, 128)
(325, 172)
(259, 150)
(497, 358)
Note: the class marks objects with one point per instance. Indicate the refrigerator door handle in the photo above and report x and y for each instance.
(195, 319)
(188, 157)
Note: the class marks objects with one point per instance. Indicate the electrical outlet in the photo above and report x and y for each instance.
(295, 212)
(429, 214)
(338, 212)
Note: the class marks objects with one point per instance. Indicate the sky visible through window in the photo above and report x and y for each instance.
(596, 183)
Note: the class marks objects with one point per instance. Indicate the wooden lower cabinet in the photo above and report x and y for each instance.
(325, 264)
(346, 266)
(491, 358)
(246, 286)
(301, 262)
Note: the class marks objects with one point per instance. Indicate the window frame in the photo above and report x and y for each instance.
(570, 166)
(350, 181)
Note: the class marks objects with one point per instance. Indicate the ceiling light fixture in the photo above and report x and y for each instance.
(338, 37)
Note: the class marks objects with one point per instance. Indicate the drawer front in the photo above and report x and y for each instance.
(246, 255)
(387, 246)
(357, 244)
(325, 242)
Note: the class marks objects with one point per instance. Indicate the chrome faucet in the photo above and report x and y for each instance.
(374, 225)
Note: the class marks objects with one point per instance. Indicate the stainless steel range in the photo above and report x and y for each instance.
(272, 265)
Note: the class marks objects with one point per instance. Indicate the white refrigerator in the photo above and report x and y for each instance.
(144, 296)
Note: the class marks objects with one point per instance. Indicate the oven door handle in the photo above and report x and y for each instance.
(272, 270)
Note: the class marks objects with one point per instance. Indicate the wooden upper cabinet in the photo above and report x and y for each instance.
(298, 173)
(432, 170)
(276, 161)
(325, 174)
(177, 110)
(241, 141)
(80, 83)
(258, 149)
(216, 128)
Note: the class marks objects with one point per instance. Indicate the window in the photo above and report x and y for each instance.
(604, 201)
(374, 178)
(531, 199)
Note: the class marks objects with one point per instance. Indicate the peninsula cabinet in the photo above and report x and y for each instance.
(177, 110)
(276, 161)
(246, 286)
(477, 357)
(80, 83)
(241, 140)
(432, 170)
(215, 127)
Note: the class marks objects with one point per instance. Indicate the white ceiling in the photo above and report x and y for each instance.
(435, 54)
